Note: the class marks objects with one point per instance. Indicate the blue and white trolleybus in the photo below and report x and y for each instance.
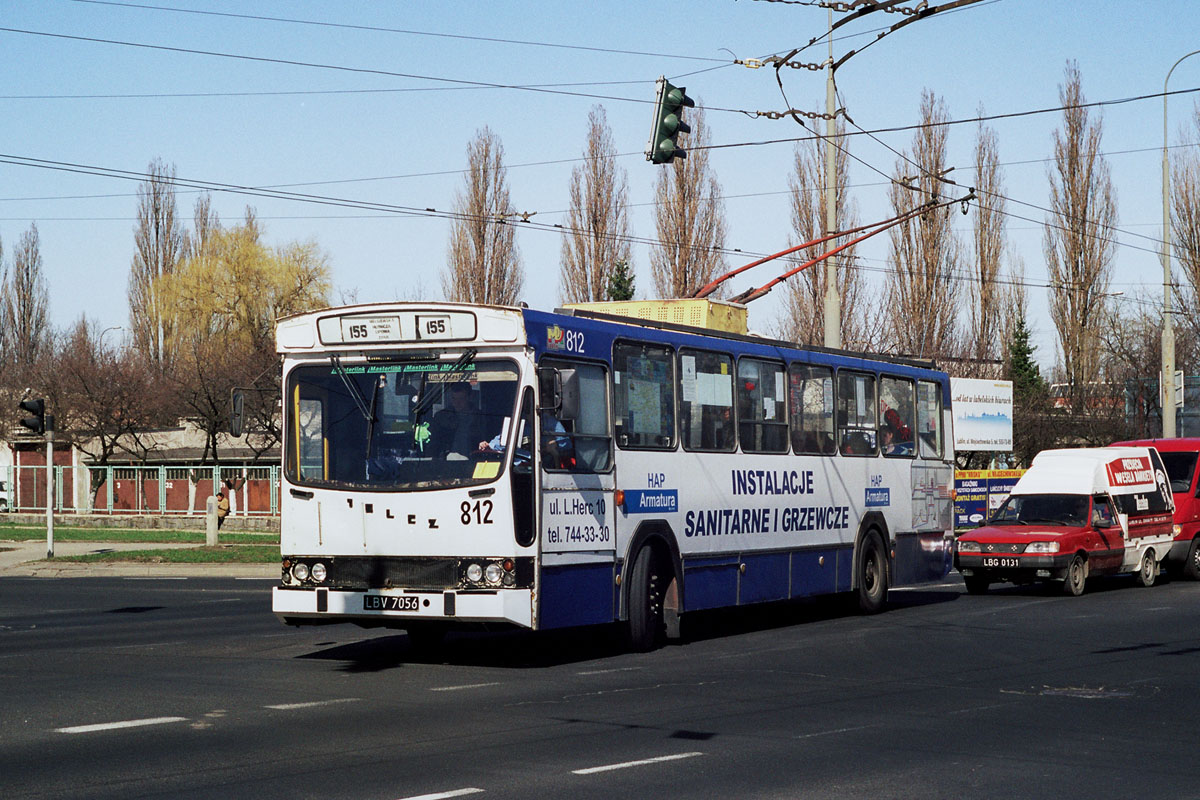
(450, 464)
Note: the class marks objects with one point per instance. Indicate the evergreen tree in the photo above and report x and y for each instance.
(1023, 371)
(620, 282)
(1034, 426)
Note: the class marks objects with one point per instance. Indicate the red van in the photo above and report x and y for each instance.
(1179, 457)
(1073, 514)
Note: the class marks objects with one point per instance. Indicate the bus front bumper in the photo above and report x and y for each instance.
(395, 607)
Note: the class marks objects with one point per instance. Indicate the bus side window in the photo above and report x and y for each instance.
(309, 432)
(583, 443)
(762, 407)
(811, 401)
(706, 401)
(644, 396)
(897, 402)
(929, 417)
(856, 413)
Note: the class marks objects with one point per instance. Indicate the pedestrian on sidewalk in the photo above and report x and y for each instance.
(222, 508)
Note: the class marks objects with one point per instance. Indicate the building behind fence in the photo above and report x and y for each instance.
(140, 490)
(168, 482)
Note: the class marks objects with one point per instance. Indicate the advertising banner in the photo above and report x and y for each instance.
(983, 414)
(979, 492)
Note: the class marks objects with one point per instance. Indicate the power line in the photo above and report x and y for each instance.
(454, 82)
(405, 31)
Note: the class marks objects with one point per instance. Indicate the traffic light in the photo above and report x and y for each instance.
(36, 423)
(669, 104)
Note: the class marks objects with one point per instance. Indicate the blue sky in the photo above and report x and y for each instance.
(356, 134)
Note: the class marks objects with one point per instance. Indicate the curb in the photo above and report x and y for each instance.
(50, 569)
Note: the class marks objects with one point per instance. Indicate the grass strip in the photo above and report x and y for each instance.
(221, 554)
(15, 533)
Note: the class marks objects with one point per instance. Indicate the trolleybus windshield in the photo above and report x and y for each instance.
(400, 425)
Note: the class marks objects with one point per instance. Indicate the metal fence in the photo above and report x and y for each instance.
(175, 490)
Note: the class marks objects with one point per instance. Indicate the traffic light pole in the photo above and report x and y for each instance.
(49, 486)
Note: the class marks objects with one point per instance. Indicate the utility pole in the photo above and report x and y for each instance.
(1168, 334)
(833, 302)
(49, 486)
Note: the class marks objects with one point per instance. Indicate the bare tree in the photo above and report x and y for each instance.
(1078, 238)
(1014, 306)
(159, 242)
(597, 221)
(987, 310)
(6, 332)
(925, 253)
(223, 303)
(484, 265)
(1185, 221)
(25, 310)
(205, 223)
(107, 396)
(803, 311)
(689, 218)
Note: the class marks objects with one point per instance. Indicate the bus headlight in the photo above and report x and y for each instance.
(474, 573)
(300, 571)
(1042, 547)
(318, 572)
(969, 547)
(493, 573)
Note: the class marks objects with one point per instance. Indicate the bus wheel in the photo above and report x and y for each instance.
(1076, 577)
(1148, 571)
(1191, 566)
(976, 585)
(646, 626)
(872, 575)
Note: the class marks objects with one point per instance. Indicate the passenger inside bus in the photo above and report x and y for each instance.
(894, 436)
(458, 427)
(557, 452)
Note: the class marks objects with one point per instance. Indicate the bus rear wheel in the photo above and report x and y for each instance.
(647, 629)
(872, 575)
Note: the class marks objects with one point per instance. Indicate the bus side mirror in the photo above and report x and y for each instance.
(558, 392)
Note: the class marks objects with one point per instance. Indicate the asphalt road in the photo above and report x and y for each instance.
(122, 688)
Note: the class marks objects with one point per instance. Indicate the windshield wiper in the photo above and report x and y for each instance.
(371, 418)
(352, 388)
(427, 400)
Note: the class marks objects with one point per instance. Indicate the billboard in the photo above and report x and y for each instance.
(983, 414)
(979, 492)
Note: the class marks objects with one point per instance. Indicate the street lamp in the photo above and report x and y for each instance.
(1168, 334)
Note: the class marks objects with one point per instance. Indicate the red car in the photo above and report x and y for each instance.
(1073, 514)
(1179, 456)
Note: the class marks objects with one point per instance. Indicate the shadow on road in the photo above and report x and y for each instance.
(534, 650)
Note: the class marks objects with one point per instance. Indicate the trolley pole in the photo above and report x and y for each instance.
(49, 486)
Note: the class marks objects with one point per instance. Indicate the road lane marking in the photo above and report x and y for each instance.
(311, 704)
(639, 763)
(607, 671)
(441, 795)
(832, 732)
(110, 726)
(464, 686)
